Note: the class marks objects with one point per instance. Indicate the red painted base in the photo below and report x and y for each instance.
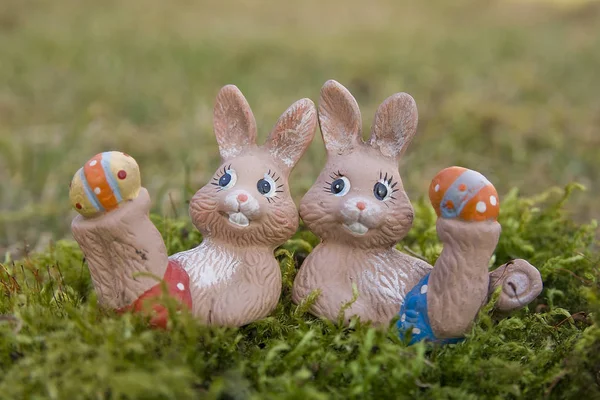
(177, 282)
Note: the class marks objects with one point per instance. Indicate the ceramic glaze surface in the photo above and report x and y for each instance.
(359, 209)
(457, 192)
(104, 182)
(244, 212)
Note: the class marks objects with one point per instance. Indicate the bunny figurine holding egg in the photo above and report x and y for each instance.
(359, 209)
(232, 278)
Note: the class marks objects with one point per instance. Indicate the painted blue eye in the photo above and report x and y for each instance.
(340, 186)
(267, 187)
(337, 186)
(263, 186)
(384, 189)
(380, 191)
(225, 179)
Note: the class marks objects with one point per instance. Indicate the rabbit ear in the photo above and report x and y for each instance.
(234, 123)
(293, 133)
(339, 118)
(395, 125)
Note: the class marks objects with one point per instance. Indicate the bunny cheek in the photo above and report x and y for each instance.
(204, 211)
(397, 223)
(320, 213)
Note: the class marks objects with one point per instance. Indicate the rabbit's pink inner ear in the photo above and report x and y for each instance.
(395, 125)
(293, 133)
(339, 118)
(234, 123)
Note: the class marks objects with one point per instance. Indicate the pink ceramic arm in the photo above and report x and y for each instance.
(460, 284)
(119, 244)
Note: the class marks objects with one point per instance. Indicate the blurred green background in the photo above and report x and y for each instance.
(509, 88)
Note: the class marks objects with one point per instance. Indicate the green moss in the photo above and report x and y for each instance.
(56, 343)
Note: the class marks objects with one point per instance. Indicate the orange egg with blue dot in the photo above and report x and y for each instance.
(104, 182)
(461, 193)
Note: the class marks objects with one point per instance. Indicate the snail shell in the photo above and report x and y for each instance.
(104, 182)
(461, 193)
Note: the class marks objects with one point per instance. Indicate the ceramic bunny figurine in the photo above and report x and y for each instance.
(359, 209)
(244, 212)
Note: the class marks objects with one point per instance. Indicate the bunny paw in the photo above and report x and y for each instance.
(104, 182)
(464, 194)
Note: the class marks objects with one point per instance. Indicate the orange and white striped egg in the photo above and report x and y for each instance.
(104, 182)
(461, 193)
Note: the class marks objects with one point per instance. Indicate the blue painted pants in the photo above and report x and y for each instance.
(413, 314)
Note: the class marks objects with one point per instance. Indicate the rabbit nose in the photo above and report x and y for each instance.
(361, 205)
(242, 197)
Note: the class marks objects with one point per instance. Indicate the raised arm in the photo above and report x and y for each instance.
(444, 305)
(118, 245)
(126, 255)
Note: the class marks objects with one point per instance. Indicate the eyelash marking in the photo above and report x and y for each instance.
(276, 178)
(333, 177)
(217, 178)
(388, 179)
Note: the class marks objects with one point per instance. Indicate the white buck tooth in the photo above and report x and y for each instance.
(357, 228)
(239, 219)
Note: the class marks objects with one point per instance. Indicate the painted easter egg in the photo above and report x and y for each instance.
(104, 182)
(465, 194)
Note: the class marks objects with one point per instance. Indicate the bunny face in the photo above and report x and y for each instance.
(248, 201)
(359, 198)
